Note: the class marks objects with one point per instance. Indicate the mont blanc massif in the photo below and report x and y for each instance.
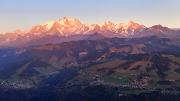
(67, 60)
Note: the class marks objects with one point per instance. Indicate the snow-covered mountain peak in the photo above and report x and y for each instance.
(69, 21)
(68, 26)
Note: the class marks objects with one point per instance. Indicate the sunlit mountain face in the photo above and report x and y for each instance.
(67, 60)
(68, 29)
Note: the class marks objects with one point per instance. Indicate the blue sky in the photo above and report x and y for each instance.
(22, 14)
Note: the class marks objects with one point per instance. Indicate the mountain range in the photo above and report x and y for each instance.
(66, 60)
(69, 29)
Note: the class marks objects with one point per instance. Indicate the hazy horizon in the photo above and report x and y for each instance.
(22, 14)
